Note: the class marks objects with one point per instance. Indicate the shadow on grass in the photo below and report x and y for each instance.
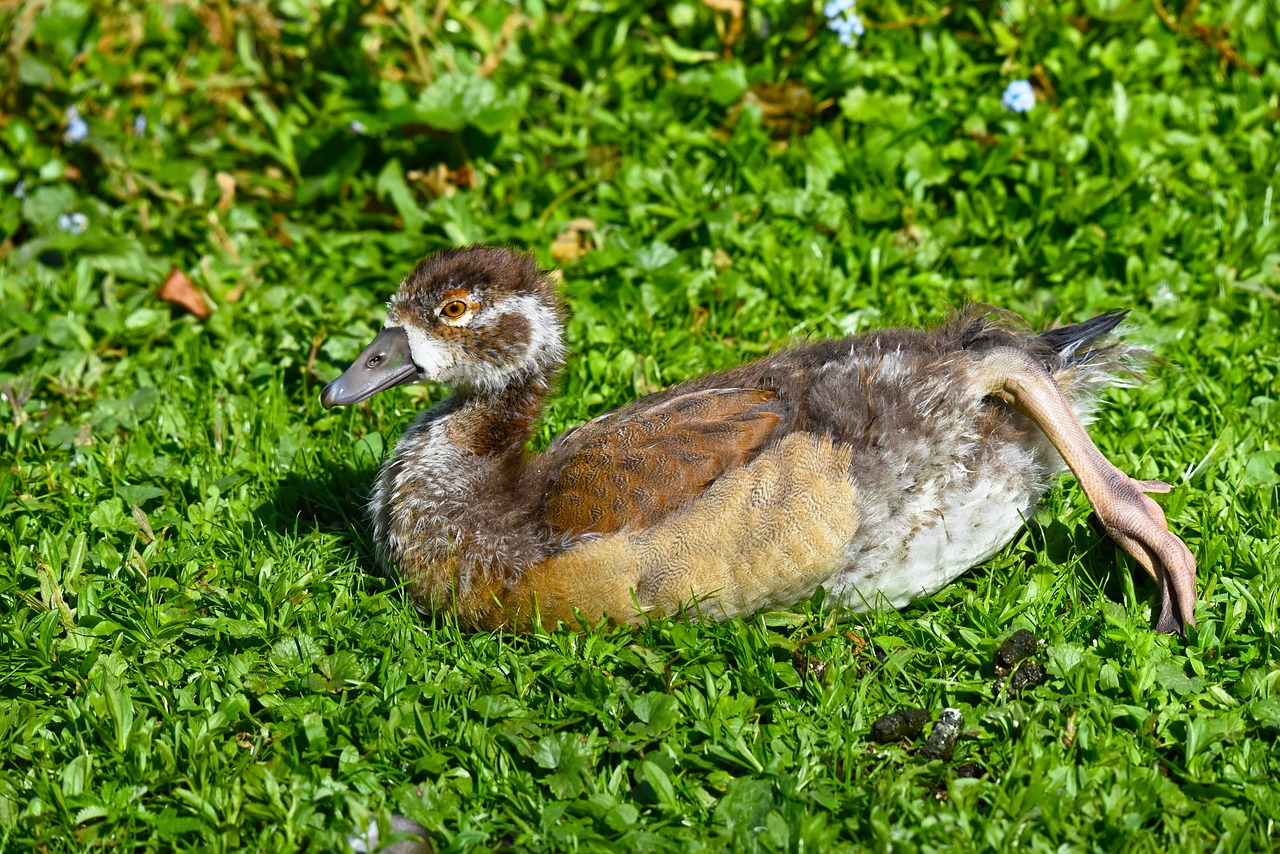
(1099, 562)
(333, 500)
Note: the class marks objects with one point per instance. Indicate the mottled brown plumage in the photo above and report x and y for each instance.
(630, 470)
(878, 467)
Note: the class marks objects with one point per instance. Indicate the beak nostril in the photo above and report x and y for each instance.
(383, 364)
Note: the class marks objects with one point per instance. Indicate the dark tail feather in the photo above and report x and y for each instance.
(1071, 342)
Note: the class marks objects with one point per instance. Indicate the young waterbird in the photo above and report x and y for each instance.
(879, 466)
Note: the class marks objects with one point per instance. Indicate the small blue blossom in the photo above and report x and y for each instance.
(844, 20)
(1019, 97)
(20, 190)
(139, 125)
(73, 223)
(77, 129)
(357, 127)
(848, 28)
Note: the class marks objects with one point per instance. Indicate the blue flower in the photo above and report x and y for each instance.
(844, 20)
(848, 27)
(73, 223)
(1019, 97)
(77, 129)
(139, 125)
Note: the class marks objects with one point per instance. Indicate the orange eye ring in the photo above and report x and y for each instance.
(453, 309)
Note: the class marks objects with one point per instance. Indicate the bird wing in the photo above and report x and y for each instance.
(631, 468)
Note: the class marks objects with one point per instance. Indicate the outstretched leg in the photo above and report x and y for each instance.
(1131, 518)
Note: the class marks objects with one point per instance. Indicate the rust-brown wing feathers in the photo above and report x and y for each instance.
(632, 468)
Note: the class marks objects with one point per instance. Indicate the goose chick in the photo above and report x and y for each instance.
(878, 466)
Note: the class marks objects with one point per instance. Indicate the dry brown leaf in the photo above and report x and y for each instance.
(786, 107)
(277, 232)
(494, 59)
(234, 294)
(177, 289)
(226, 190)
(221, 237)
(909, 237)
(144, 524)
(465, 176)
(440, 180)
(728, 35)
(859, 642)
(1214, 37)
(700, 316)
(574, 242)
(437, 180)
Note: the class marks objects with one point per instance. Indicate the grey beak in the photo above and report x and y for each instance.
(385, 363)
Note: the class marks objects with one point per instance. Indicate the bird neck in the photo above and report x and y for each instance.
(498, 424)
(448, 507)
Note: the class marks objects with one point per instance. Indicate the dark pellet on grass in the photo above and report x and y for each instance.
(1029, 675)
(1020, 644)
(809, 666)
(946, 732)
(905, 723)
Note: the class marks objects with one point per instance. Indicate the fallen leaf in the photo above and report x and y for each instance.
(440, 180)
(728, 35)
(144, 524)
(277, 232)
(494, 59)
(786, 107)
(909, 237)
(219, 236)
(858, 641)
(226, 190)
(465, 176)
(574, 242)
(234, 294)
(177, 289)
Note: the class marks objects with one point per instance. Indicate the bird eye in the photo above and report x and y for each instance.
(453, 310)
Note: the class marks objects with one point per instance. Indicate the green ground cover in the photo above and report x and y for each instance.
(193, 652)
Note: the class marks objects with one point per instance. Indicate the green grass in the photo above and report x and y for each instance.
(193, 651)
